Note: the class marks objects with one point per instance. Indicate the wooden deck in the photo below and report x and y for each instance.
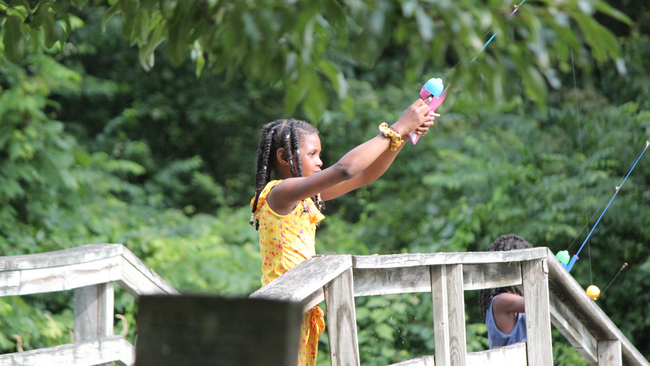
(552, 297)
(90, 272)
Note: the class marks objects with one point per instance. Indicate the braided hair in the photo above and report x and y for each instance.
(286, 134)
(503, 243)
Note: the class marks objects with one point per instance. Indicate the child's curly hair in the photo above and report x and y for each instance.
(503, 243)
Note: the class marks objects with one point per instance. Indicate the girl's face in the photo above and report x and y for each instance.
(310, 154)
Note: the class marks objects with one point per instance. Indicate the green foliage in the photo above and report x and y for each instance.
(272, 41)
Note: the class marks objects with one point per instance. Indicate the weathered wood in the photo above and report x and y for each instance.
(67, 277)
(76, 268)
(439, 295)
(419, 361)
(513, 355)
(490, 275)
(313, 300)
(579, 337)
(342, 320)
(61, 258)
(456, 299)
(609, 353)
(301, 282)
(152, 278)
(573, 296)
(93, 312)
(429, 259)
(538, 319)
(210, 330)
(384, 281)
(448, 314)
(140, 280)
(98, 351)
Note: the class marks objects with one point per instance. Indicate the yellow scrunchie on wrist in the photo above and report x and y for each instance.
(395, 138)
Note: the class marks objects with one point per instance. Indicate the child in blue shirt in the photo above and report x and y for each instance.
(503, 308)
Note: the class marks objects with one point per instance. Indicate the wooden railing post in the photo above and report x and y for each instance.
(538, 317)
(448, 314)
(93, 312)
(342, 320)
(609, 353)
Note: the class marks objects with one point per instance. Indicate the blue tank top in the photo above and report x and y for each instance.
(497, 338)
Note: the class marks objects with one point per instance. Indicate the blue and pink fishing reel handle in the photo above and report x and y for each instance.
(433, 94)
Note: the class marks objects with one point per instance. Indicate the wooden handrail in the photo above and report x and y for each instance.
(552, 290)
(581, 312)
(103, 350)
(89, 271)
(79, 267)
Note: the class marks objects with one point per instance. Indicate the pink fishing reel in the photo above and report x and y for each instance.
(433, 94)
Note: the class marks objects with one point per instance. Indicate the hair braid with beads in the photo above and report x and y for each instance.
(503, 243)
(278, 134)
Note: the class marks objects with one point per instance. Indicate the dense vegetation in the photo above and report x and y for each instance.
(94, 148)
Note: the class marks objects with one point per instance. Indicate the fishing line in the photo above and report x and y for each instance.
(489, 40)
(584, 185)
(612, 281)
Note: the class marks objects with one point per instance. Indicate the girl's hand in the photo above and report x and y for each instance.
(424, 128)
(415, 118)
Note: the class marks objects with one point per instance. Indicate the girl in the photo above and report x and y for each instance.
(286, 210)
(503, 308)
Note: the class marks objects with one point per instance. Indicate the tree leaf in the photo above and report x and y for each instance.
(13, 40)
(607, 9)
(114, 9)
(130, 13)
(198, 57)
(37, 17)
(316, 101)
(49, 28)
(179, 33)
(66, 20)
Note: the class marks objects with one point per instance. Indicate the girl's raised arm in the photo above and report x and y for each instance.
(285, 195)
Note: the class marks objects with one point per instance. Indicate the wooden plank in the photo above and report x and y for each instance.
(573, 296)
(456, 299)
(538, 319)
(440, 315)
(82, 254)
(490, 275)
(68, 277)
(303, 280)
(384, 281)
(124, 268)
(156, 284)
(313, 300)
(137, 283)
(342, 320)
(569, 325)
(448, 314)
(212, 330)
(429, 259)
(512, 355)
(419, 361)
(98, 351)
(93, 312)
(609, 353)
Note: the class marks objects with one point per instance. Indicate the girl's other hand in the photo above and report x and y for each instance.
(415, 118)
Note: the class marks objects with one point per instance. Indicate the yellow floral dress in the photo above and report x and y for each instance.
(286, 241)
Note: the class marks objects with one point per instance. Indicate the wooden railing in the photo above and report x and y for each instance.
(90, 272)
(551, 296)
